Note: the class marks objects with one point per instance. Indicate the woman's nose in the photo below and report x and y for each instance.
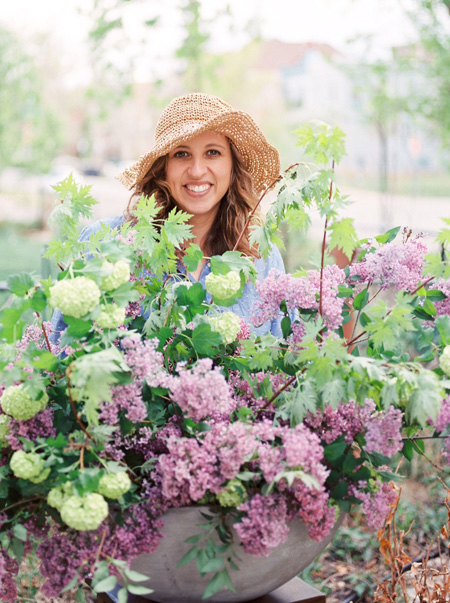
(197, 166)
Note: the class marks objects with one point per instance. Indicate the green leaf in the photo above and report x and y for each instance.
(192, 257)
(219, 581)
(138, 589)
(213, 565)
(361, 299)
(106, 585)
(408, 450)
(188, 557)
(80, 596)
(20, 284)
(122, 595)
(205, 341)
(388, 236)
(335, 450)
(20, 532)
(343, 236)
(135, 576)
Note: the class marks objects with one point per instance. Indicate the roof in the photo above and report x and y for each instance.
(276, 54)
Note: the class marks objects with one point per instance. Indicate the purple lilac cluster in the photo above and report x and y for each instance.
(395, 264)
(146, 364)
(264, 524)
(383, 432)
(194, 467)
(377, 503)
(201, 391)
(347, 419)
(443, 307)
(441, 424)
(300, 293)
(39, 426)
(247, 396)
(8, 572)
(63, 554)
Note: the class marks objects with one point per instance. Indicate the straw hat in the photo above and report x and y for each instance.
(187, 116)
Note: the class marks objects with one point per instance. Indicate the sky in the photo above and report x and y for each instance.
(332, 21)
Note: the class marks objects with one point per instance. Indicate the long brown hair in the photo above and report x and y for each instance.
(234, 207)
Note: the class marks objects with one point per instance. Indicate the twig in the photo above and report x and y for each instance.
(252, 213)
(277, 393)
(72, 406)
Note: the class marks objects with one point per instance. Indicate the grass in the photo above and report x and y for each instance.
(21, 250)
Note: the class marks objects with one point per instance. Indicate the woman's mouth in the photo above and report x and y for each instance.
(198, 188)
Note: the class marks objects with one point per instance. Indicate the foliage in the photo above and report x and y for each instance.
(29, 131)
(294, 416)
(430, 61)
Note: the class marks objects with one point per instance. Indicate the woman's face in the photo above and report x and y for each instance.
(198, 173)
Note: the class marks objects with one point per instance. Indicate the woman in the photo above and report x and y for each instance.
(210, 161)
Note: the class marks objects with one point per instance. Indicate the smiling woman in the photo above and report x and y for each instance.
(212, 162)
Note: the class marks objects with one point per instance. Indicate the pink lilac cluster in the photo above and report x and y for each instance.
(303, 450)
(377, 503)
(395, 264)
(146, 365)
(264, 524)
(300, 293)
(347, 419)
(245, 331)
(248, 394)
(35, 334)
(8, 572)
(443, 307)
(384, 432)
(441, 424)
(201, 391)
(39, 426)
(192, 468)
(66, 553)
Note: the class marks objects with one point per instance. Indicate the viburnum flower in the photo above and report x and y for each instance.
(227, 324)
(233, 495)
(444, 360)
(84, 512)
(114, 485)
(17, 403)
(58, 495)
(111, 316)
(4, 429)
(120, 274)
(75, 296)
(223, 286)
(28, 465)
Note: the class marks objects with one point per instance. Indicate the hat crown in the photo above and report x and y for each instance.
(188, 113)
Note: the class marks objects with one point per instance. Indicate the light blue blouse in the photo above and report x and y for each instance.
(243, 306)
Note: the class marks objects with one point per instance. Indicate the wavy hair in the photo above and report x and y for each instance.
(234, 208)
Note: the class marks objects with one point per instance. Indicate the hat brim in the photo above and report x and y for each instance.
(260, 158)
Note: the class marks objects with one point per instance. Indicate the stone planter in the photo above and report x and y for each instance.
(257, 575)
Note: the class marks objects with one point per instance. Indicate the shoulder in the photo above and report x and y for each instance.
(111, 222)
(273, 261)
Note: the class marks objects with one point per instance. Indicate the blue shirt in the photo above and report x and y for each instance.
(243, 306)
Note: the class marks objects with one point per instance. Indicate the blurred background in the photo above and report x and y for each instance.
(83, 81)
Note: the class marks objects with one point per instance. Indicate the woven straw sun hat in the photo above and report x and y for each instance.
(187, 116)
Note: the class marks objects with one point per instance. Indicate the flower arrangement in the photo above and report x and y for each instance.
(157, 395)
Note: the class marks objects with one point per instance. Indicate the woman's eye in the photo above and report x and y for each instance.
(180, 154)
(213, 152)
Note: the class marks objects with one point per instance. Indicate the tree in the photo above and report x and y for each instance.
(430, 58)
(29, 131)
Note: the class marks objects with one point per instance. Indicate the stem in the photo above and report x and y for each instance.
(74, 410)
(21, 502)
(47, 342)
(277, 393)
(324, 243)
